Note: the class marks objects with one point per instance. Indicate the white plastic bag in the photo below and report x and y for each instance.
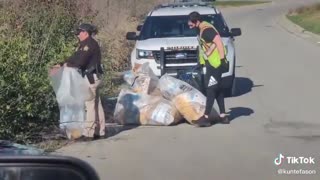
(171, 87)
(142, 84)
(71, 120)
(70, 87)
(189, 101)
(142, 80)
(164, 113)
(129, 105)
(191, 104)
(142, 109)
(129, 77)
(146, 73)
(72, 90)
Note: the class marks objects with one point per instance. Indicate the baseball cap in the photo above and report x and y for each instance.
(86, 27)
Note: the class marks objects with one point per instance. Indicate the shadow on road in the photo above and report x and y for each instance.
(109, 106)
(243, 86)
(237, 112)
(114, 129)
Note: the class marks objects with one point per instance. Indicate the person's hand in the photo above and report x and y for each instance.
(224, 60)
(205, 56)
(207, 53)
(54, 69)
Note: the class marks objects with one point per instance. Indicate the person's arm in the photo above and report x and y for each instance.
(211, 49)
(79, 58)
(218, 41)
(211, 36)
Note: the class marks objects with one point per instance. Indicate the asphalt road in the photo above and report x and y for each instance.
(276, 110)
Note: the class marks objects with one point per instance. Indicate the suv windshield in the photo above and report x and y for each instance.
(177, 26)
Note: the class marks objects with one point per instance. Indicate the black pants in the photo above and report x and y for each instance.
(213, 88)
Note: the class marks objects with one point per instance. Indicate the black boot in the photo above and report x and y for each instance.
(224, 120)
(202, 122)
(97, 137)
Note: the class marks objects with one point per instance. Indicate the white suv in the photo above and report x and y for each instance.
(166, 27)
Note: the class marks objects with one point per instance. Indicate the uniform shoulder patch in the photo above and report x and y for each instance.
(86, 48)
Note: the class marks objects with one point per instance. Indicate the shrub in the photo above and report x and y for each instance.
(115, 19)
(35, 35)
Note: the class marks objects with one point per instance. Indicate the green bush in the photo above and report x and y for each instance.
(35, 35)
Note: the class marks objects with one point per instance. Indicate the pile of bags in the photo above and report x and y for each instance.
(153, 101)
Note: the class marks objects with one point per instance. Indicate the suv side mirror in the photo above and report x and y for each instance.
(139, 27)
(131, 36)
(236, 32)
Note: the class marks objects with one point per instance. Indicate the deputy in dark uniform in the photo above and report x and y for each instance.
(87, 59)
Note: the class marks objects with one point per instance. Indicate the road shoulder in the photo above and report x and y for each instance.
(297, 30)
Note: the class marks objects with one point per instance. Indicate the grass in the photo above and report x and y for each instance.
(308, 17)
(237, 3)
(52, 145)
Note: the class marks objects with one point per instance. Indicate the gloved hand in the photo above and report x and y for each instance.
(224, 65)
(198, 66)
(225, 59)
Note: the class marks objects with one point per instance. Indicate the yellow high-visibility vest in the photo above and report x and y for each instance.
(214, 58)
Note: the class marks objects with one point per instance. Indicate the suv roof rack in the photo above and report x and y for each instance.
(185, 3)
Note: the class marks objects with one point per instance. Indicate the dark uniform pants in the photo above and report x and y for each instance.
(95, 118)
(214, 90)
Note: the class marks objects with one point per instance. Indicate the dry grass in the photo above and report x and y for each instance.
(237, 3)
(308, 17)
(115, 19)
(306, 9)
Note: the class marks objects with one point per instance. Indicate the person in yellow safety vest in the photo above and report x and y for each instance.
(213, 57)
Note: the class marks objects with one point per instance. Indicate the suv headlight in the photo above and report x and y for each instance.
(144, 54)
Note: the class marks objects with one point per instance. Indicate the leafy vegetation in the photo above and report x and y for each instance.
(35, 35)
